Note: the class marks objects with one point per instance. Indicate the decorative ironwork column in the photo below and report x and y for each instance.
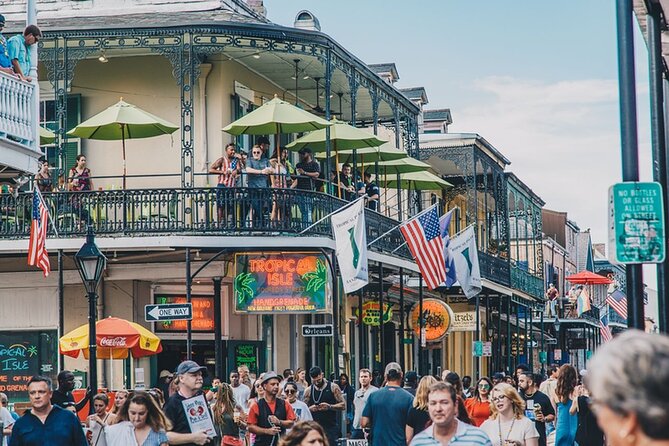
(187, 75)
(328, 148)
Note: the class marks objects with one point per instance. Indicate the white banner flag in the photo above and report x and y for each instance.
(466, 258)
(351, 242)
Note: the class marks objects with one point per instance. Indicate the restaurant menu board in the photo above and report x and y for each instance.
(24, 354)
(203, 313)
(282, 282)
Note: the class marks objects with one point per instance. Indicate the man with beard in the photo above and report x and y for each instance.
(269, 417)
(324, 399)
(538, 407)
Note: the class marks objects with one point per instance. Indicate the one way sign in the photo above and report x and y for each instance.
(168, 312)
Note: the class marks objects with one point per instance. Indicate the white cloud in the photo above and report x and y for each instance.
(562, 138)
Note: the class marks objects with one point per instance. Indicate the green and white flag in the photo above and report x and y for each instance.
(466, 258)
(348, 227)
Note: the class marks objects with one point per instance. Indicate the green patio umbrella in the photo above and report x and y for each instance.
(418, 181)
(46, 136)
(342, 136)
(275, 117)
(369, 154)
(403, 165)
(123, 121)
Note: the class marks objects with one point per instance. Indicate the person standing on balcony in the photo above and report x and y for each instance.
(551, 299)
(5, 62)
(279, 178)
(258, 170)
(263, 142)
(227, 168)
(79, 181)
(346, 183)
(372, 191)
(308, 172)
(43, 177)
(18, 50)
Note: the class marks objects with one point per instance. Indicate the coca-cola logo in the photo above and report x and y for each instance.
(118, 341)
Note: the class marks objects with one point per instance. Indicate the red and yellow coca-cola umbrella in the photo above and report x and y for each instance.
(116, 338)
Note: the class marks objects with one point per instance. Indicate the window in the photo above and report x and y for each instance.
(49, 120)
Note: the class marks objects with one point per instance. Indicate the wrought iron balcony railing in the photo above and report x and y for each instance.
(527, 282)
(197, 211)
(494, 268)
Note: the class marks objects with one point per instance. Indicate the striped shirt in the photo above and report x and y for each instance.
(227, 179)
(465, 435)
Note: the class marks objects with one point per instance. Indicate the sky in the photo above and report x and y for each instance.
(537, 79)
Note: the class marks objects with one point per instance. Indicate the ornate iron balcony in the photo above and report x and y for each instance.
(192, 211)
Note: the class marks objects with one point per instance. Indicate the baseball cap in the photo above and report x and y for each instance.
(393, 367)
(190, 367)
(498, 375)
(411, 376)
(164, 374)
(262, 140)
(268, 376)
(304, 150)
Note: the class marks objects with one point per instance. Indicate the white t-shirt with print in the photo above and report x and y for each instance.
(516, 430)
(7, 420)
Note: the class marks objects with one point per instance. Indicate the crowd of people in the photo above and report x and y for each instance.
(262, 171)
(627, 380)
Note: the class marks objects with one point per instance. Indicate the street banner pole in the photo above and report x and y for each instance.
(657, 125)
(629, 144)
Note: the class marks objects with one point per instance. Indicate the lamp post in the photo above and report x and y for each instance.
(91, 263)
(556, 324)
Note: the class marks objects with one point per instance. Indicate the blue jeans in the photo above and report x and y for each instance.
(306, 209)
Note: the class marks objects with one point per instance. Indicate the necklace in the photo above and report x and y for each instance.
(499, 425)
(320, 394)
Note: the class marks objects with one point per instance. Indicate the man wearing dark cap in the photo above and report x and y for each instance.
(308, 172)
(5, 62)
(411, 382)
(189, 375)
(270, 416)
(324, 399)
(386, 410)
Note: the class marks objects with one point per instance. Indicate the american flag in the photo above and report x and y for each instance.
(604, 329)
(37, 254)
(618, 302)
(444, 223)
(427, 247)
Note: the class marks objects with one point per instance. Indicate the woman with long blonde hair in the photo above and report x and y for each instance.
(508, 424)
(418, 418)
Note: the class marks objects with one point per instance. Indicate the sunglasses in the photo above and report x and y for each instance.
(290, 391)
(484, 386)
(256, 153)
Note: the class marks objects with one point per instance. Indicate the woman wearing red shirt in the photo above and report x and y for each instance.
(478, 406)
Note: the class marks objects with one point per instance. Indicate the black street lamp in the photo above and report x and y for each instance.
(91, 263)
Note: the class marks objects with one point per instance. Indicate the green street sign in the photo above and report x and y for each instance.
(478, 348)
(636, 223)
(543, 357)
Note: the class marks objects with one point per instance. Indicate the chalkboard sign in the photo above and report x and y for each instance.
(247, 354)
(24, 354)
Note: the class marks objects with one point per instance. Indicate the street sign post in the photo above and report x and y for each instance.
(636, 223)
(317, 330)
(168, 312)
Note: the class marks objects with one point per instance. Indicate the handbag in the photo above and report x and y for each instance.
(231, 440)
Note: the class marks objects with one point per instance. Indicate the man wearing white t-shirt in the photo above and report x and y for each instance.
(240, 391)
(360, 400)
